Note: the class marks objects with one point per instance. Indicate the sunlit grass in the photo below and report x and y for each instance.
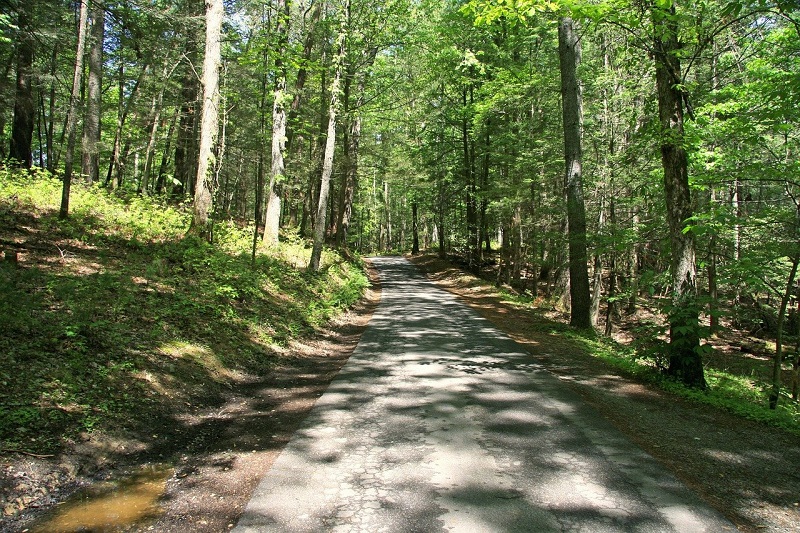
(115, 315)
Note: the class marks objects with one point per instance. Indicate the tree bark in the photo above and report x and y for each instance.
(685, 362)
(330, 144)
(72, 113)
(21, 149)
(569, 53)
(209, 126)
(90, 166)
(273, 214)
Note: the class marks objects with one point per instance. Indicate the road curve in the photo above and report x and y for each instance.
(439, 422)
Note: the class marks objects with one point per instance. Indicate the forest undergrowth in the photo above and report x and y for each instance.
(114, 321)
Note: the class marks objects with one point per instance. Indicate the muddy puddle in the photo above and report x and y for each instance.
(109, 507)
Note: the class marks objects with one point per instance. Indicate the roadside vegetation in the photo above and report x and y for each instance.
(738, 366)
(113, 319)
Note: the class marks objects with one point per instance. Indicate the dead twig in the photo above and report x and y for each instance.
(23, 452)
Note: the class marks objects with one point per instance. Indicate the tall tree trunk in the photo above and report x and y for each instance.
(21, 149)
(262, 131)
(155, 122)
(330, 143)
(685, 362)
(90, 165)
(4, 82)
(272, 224)
(51, 114)
(209, 126)
(442, 214)
(72, 112)
(569, 53)
(597, 288)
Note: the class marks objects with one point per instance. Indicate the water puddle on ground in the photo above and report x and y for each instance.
(110, 507)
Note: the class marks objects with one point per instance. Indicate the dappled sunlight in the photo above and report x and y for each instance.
(440, 421)
(201, 355)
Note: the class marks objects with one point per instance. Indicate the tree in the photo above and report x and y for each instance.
(72, 113)
(685, 361)
(209, 125)
(277, 168)
(22, 127)
(90, 166)
(569, 54)
(330, 141)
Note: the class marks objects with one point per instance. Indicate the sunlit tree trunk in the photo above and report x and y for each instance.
(569, 53)
(273, 214)
(90, 166)
(72, 113)
(330, 144)
(209, 125)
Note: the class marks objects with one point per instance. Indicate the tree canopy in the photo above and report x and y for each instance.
(391, 125)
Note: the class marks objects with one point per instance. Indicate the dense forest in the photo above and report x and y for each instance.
(592, 153)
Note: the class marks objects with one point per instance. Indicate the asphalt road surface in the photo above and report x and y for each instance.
(439, 422)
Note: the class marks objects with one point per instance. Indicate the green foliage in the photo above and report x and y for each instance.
(108, 319)
(737, 394)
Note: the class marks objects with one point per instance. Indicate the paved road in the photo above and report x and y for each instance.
(439, 422)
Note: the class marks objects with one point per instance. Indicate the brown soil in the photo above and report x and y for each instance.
(746, 470)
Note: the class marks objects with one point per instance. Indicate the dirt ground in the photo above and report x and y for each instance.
(746, 470)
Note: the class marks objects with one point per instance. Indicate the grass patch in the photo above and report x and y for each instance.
(113, 318)
(742, 395)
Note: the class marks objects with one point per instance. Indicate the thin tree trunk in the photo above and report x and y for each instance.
(162, 170)
(597, 286)
(72, 113)
(262, 130)
(186, 142)
(209, 126)
(777, 363)
(4, 82)
(330, 144)
(155, 117)
(51, 149)
(90, 166)
(115, 164)
(414, 228)
(569, 58)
